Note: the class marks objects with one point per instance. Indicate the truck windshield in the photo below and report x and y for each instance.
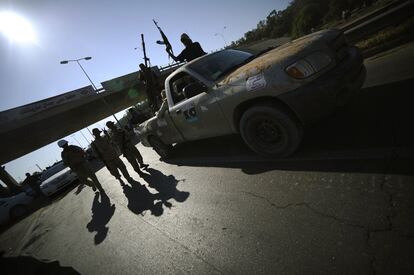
(213, 66)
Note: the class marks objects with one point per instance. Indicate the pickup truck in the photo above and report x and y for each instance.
(266, 97)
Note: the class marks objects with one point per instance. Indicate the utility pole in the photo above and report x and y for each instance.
(77, 141)
(146, 59)
(87, 141)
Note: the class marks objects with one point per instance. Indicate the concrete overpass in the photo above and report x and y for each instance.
(32, 126)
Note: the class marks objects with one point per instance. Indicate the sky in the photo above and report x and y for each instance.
(108, 31)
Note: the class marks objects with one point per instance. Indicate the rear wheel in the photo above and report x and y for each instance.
(162, 149)
(271, 131)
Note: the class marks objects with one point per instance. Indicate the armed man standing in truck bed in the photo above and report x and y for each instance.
(152, 85)
(192, 50)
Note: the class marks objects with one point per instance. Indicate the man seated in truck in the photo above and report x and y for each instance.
(178, 86)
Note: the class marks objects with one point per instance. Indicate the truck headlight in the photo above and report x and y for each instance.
(309, 65)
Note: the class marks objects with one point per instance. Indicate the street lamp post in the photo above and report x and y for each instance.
(77, 61)
(90, 80)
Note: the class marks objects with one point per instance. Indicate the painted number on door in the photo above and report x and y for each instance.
(190, 114)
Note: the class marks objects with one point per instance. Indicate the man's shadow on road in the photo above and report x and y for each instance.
(102, 212)
(141, 200)
(165, 185)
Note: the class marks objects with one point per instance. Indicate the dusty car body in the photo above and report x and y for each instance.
(267, 98)
(56, 178)
(14, 206)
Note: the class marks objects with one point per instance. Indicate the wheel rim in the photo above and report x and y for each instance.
(268, 131)
(267, 134)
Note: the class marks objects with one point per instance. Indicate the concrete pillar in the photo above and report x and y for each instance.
(7, 179)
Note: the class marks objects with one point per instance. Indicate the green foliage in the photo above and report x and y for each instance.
(299, 18)
(308, 17)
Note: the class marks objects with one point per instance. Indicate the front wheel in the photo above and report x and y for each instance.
(162, 149)
(270, 131)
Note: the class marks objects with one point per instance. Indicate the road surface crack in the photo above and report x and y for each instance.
(309, 207)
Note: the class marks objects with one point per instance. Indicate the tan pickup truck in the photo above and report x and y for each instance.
(266, 97)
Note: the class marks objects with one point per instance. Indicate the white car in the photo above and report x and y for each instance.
(14, 206)
(55, 178)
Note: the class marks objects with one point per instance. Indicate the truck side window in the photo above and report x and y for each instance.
(177, 85)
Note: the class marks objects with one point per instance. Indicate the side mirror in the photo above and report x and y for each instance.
(194, 89)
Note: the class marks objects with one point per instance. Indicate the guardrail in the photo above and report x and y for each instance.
(382, 19)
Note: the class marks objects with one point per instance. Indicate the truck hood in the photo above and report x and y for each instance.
(282, 56)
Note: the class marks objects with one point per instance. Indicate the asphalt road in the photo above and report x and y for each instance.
(342, 205)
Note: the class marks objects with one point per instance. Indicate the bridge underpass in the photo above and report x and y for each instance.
(22, 137)
(22, 134)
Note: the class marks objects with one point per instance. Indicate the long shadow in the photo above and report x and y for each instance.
(81, 186)
(361, 137)
(26, 265)
(102, 212)
(140, 199)
(165, 185)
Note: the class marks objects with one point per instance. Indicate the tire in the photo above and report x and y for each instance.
(163, 150)
(18, 211)
(271, 131)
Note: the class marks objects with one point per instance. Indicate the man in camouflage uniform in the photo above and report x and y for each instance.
(152, 85)
(74, 157)
(122, 139)
(105, 151)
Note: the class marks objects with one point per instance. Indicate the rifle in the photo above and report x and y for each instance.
(164, 41)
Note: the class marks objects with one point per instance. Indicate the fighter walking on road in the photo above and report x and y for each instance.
(123, 140)
(74, 157)
(106, 152)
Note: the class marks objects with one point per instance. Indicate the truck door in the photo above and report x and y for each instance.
(196, 114)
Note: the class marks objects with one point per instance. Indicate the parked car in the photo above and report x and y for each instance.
(55, 178)
(267, 97)
(14, 206)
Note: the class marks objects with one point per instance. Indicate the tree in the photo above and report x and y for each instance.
(308, 18)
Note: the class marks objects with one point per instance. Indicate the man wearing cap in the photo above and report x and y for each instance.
(122, 139)
(74, 157)
(106, 152)
(192, 50)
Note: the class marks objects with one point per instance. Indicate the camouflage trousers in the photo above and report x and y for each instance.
(83, 171)
(114, 164)
(134, 157)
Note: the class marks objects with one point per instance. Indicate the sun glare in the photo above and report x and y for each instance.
(16, 28)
